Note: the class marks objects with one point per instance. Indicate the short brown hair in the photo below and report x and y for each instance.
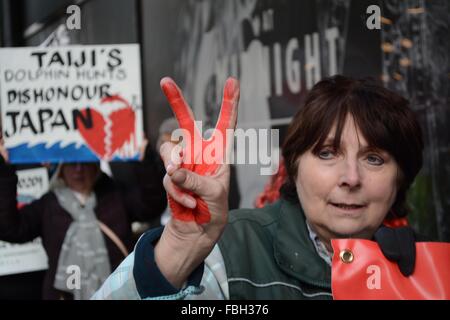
(384, 118)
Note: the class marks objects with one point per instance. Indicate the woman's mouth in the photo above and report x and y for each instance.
(348, 207)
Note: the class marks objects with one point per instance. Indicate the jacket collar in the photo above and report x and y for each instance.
(294, 251)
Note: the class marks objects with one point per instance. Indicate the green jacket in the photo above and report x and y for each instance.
(268, 254)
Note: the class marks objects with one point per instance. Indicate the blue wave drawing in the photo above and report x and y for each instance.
(38, 153)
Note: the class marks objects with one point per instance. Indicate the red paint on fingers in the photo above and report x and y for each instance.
(227, 120)
(179, 105)
(199, 214)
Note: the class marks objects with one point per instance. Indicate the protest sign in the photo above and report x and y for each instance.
(31, 256)
(71, 103)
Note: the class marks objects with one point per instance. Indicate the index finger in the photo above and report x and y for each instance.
(181, 109)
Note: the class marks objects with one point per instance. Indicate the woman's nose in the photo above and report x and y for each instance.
(350, 174)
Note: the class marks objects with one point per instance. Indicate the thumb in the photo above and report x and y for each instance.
(191, 181)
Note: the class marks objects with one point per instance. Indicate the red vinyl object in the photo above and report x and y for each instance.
(361, 272)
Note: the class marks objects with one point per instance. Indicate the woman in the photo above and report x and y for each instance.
(351, 153)
(84, 221)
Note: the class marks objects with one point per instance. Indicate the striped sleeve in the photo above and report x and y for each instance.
(138, 277)
(120, 284)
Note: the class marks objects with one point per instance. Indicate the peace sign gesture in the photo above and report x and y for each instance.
(197, 184)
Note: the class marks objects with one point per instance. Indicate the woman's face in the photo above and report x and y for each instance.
(346, 193)
(80, 177)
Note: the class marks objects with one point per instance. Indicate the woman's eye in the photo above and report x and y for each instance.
(326, 154)
(375, 160)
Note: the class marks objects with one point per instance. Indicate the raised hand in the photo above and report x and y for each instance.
(203, 157)
(197, 183)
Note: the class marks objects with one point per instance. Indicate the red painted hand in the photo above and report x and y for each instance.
(195, 185)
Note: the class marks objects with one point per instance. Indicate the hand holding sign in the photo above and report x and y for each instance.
(197, 187)
(3, 151)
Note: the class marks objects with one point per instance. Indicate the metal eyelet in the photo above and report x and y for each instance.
(346, 256)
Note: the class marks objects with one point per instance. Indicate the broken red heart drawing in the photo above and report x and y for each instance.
(112, 132)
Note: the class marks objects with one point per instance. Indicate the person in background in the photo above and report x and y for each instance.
(84, 220)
